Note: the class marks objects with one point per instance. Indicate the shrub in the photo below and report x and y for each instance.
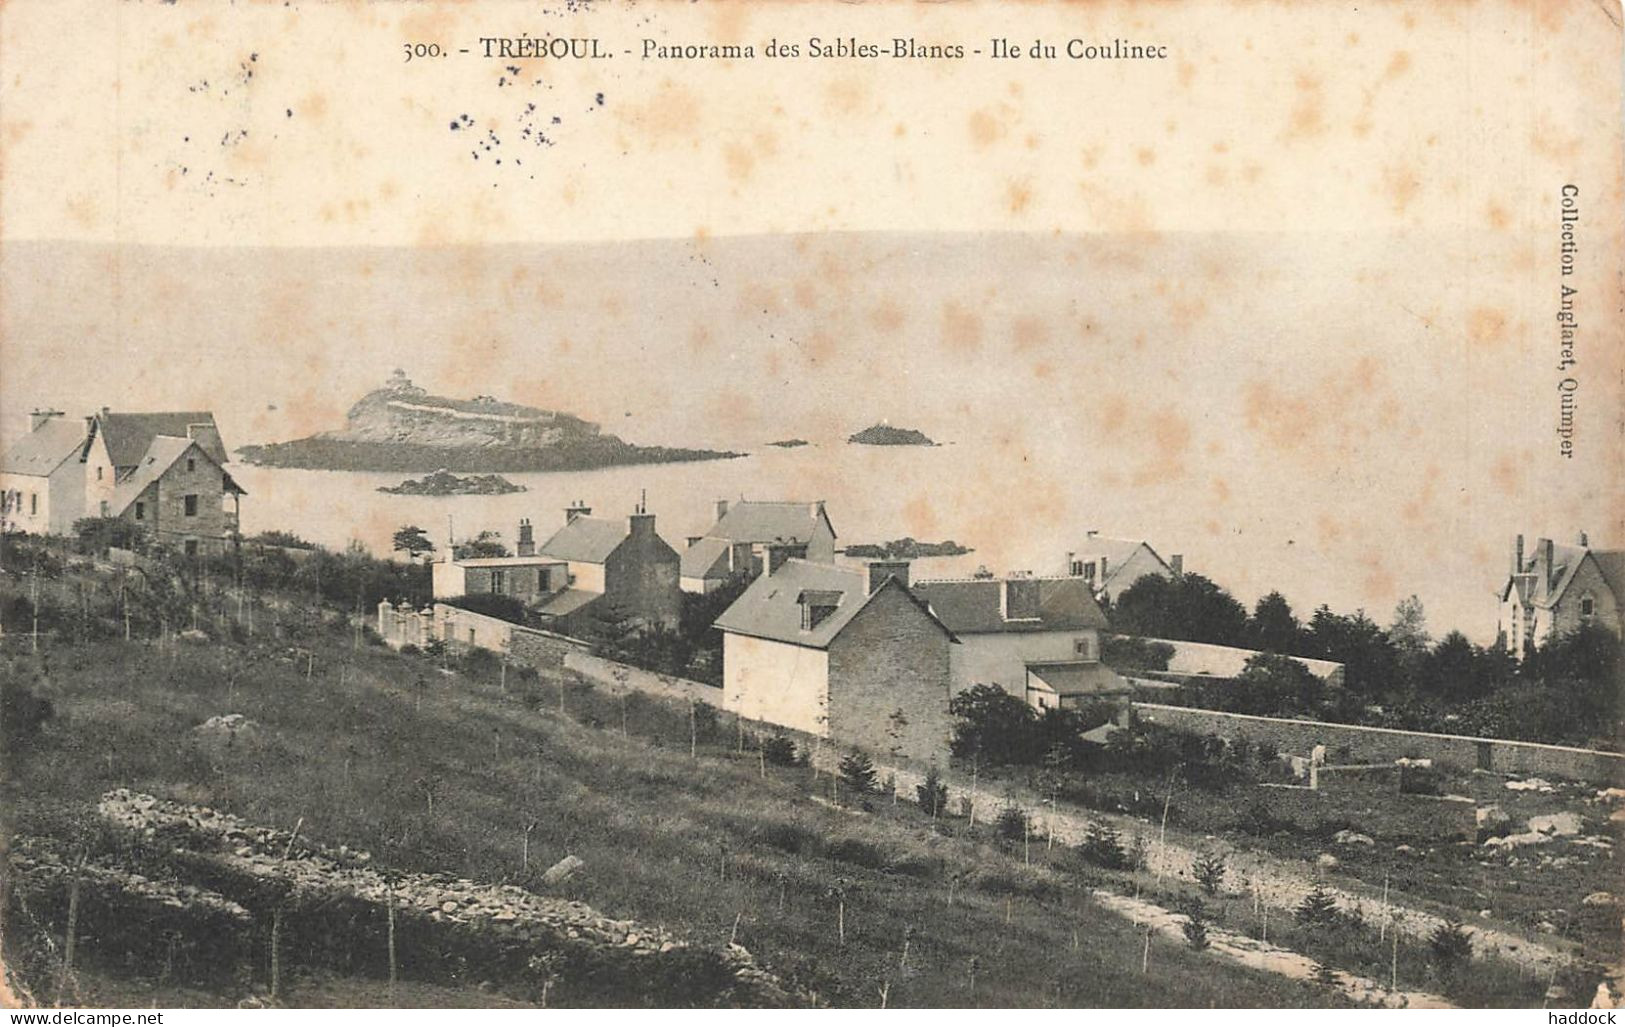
(1012, 825)
(1195, 926)
(932, 793)
(1209, 869)
(1318, 908)
(22, 712)
(858, 773)
(1103, 847)
(1451, 944)
(780, 751)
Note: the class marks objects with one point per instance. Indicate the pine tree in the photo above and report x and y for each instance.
(1318, 908)
(858, 773)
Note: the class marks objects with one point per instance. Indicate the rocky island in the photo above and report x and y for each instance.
(444, 483)
(790, 443)
(400, 427)
(883, 434)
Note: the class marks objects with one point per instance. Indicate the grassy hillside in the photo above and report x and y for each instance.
(443, 770)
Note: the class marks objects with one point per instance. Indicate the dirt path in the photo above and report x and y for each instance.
(1279, 883)
(1258, 955)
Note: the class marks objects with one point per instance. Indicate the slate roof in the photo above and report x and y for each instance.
(45, 449)
(128, 436)
(707, 558)
(1117, 552)
(1079, 678)
(1566, 560)
(160, 457)
(507, 561)
(569, 601)
(970, 606)
(585, 540)
(758, 521)
(770, 607)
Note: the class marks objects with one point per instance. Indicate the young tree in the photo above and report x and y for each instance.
(1209, 869)
(1409, 630)
(858, 773)
(932, 793)
(485, 545)
(1450, 944)
(413, 541)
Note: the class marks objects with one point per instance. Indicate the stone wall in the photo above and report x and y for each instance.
(1349, 743)
(889, 680)
(621, 677)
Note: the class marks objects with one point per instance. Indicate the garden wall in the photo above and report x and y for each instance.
(621, 676)
(1350, 743)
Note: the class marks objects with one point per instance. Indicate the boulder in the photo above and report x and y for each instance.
(1346, 837)
(1514, 841)
(1561, 824)
(1327, 860)
(1492, 819)
(562, 871)
(1599, 898)
(1533, 784)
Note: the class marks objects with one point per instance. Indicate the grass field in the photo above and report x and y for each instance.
(441, 771)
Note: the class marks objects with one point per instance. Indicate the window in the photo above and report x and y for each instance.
(98, 473)
(140, 511)
(1083, 648)
(191, 463)
(1089, 572)
(1588, 605)
(191, 505)
(1077, 568)
(497, 581)
(470, 636)
(33, 503)
(191, 547)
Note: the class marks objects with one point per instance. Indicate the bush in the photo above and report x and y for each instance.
(1103, 847)
(22, 712)
(1318, 908)
(780, 751)
(932, 793)
(1450, 944)
(858, 773)
(1195, 926)
(1012, 824)
(1209, 869)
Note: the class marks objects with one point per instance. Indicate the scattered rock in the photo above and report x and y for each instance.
(1327, 860)
(1533, 784)
(1561, 824)
(1492, 820)
(1611, 794)
(562, 871)
(1346, 837)
(1513, 841)
(1404, 850)
(1599, 898)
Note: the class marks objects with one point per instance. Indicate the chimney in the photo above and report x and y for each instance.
(722, 509)
(779, 553)
(38, 417)
(816, 509)
(526, 546)
(880, 570)
(1543, 567)
(1092, 532)
(1517, 554)
(1582, 541)
(576, 509)
(1176, 563)
(640, 524)
(205, 434)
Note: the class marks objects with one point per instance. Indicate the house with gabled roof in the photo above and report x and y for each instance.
(1557, 588)
(843, 653)
(1111, 565)
(1036, 638)
(614, 570)
(752, 536)
(42, 485)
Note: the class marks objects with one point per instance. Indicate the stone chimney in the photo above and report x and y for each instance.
(1582, 541)
(576, 509)
(880, 570)
(1176, 563)
(1517, 554)
(205, 434)
(780, 553)
(641, 524)
(1543, 568)
(38, 417)
(526, 546)
(722, 509)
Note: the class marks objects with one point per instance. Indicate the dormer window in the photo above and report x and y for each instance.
(1019, 599)
(817, 606)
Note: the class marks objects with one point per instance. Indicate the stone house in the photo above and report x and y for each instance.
(164, 472)
(613, 570)
(752, 536)
(525, 576)
(1556, 588)
(844, 653)
(1111, 565)
(1036, 638)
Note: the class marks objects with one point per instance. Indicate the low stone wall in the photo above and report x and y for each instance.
(621, 676)
(1348, 742)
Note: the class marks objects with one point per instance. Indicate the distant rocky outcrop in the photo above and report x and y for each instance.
(444, 483)
(905, 549)
(885, 435)
(790, 443)
(400, 427)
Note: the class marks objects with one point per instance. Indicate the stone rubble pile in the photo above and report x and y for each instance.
(38, 867)
(313, 873)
